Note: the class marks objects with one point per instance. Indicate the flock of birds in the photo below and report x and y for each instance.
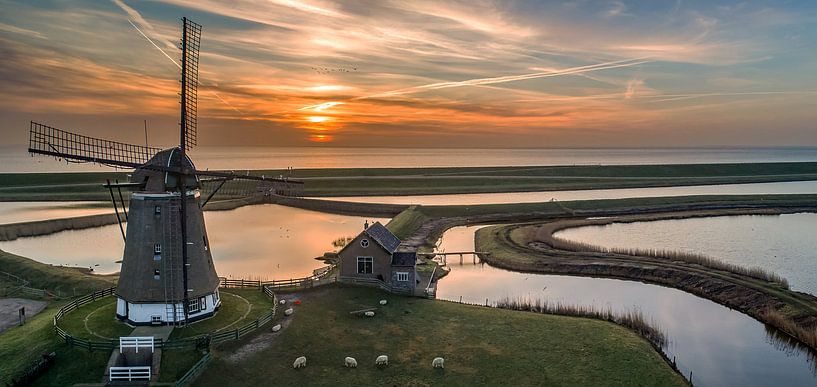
(327, 70)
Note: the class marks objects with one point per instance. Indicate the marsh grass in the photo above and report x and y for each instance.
(781, 321)
(630, 319)
(676, 255)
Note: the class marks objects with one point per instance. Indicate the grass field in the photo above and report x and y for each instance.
(481, 346)
(415, 181)
(61, 280)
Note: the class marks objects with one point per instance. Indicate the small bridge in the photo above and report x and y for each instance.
(474, 256)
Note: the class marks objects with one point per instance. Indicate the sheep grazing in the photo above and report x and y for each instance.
(276, 328)
(383, 302)
(288, 312)
(438, 362)
(282, 302)
(350, 362)
(299, 362)
(382, 360)
(369, 314)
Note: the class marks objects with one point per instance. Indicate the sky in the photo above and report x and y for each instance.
(419, 73)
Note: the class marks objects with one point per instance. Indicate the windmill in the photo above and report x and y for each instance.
(167, 274)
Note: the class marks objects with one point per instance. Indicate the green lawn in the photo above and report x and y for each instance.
(481, 346)
(234, 312)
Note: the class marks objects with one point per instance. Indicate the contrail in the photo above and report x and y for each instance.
(511, 78)
(154, 44)
(136, 14)
(677, 97)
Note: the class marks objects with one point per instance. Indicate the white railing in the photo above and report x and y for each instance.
(136, 342)
(129, 373)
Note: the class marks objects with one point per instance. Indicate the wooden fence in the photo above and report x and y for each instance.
(196, 342)
(323, 278)
(373, 282)
(21, 286)
(194, 371)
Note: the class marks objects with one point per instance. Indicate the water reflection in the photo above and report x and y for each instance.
(265, 241)
(15, 212)
(793, 187)
(720, 346)
(784, 244)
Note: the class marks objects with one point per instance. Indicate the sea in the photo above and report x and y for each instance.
(17, 159)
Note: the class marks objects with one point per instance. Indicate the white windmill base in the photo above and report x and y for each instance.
(161, 313)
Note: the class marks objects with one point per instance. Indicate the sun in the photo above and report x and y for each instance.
(317, 119)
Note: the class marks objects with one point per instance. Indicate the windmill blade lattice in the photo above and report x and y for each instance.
(190, 45)
(72, 147)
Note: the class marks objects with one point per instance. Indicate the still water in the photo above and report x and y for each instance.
(15, 212)
(792, 187)
(263, 241)
(721, 347)
(17, 159)
(784, 244)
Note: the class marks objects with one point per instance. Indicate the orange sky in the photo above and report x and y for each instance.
(419, 73)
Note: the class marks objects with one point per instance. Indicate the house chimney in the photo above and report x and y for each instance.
(366, 224)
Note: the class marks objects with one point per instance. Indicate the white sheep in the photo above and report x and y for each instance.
(383, 302)
(276, 328)
(438, 362)
(382, 360)
(288, 312)
(299, 362)
(369, 314)
(282, 302)
(350, 362)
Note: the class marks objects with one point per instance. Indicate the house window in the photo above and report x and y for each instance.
(402, 276)
(215, 297)
(203, 303)
(157, 210)
(193, 306)
(157, 248)
(364, 265)
(156, 274)
(155, 319)
(364, 243)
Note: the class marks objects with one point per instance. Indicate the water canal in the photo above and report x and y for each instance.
(784, 244)
(720, 346)
(264, 241)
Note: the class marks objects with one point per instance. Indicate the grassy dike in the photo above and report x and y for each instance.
(481, 346)
(417, 181)
(530, 248)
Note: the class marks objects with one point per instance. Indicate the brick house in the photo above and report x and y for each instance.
(373, 255)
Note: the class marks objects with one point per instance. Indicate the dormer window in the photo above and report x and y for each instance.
(364, 243)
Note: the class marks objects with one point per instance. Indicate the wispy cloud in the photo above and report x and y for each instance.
(473, 69)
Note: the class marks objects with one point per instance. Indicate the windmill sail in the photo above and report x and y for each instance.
(72, 147)
(191, 42)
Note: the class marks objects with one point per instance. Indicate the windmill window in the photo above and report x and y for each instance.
(193, 306)
(364, 243)
(157, 210)
(402, 276)
(156, 274)
(364, 265)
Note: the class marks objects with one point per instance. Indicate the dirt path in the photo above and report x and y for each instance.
(249, 309)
